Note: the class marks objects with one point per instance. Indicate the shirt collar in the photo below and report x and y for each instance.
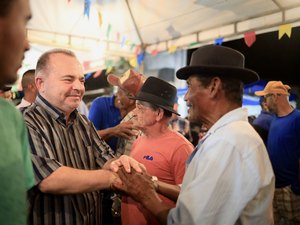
(53, 111)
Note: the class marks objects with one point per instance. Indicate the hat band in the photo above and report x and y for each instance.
(154, 99)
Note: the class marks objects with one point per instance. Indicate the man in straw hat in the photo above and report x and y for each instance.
(229, 178)
(284, 151)
(106, 112)
(162, 150)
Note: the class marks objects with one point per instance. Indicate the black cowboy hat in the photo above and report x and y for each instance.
(158, 92)
(220, 61)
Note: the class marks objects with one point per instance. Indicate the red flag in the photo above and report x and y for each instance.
(154, 52)
(250, 38)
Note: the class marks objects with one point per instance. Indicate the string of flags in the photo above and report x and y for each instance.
(249, 38)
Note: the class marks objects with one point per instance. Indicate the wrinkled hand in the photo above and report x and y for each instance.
(138, 185)
(125, 130)
(127, 162)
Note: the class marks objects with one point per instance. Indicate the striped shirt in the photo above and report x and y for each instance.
(54, 143)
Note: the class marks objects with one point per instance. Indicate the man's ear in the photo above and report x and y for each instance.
(39, 82)
(214, 86)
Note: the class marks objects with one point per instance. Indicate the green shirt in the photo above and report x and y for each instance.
(16, 173)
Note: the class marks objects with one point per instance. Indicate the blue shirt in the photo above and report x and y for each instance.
(104, 114)
(264, 119)
(284, 150)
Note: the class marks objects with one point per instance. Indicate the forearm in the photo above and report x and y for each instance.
(169, 190)
(160, 210)
(66, 180)
(106, 133)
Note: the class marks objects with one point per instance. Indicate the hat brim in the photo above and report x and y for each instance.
(247, 76)
(145, 99)
(260, 93)
(114, 80)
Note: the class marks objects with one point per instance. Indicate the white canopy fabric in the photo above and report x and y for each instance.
(117, 28)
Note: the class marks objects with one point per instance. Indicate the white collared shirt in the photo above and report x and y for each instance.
(229, 179)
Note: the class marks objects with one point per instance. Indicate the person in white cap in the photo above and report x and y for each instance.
(284, 151)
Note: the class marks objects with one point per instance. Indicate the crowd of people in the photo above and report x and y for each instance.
(61, 166)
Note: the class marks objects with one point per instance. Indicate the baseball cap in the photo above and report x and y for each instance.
(274, 87)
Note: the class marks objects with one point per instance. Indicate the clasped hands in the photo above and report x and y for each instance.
(131, 178)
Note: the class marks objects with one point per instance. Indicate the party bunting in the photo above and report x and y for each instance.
(219, 41)
(123, 42)
(172, 49)
(87, 7)
(250, 38)
(138, 49)
(133, 62)
(108, 31)
(100, 19)
(285, 29)
(154, 52)
(140, 58)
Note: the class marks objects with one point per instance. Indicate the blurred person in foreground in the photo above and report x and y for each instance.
(162, 150)
(229, 178)
(284, 151)
(16, 173)
(72, 164)
(5, 92)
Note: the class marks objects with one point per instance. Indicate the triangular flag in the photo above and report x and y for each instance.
(108, 31)
(193, 44)
(123, 41)
(133, 62)
(285, 29)
(137, 49)
(86, 65)
(108, 70)
(100, 19)
(132, 47)
(250, 38)
(172, 49)
(87, 6)
(140, 58)
(219, 41)
(154, 52)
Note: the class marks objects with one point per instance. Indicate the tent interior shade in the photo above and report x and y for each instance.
(155, 24)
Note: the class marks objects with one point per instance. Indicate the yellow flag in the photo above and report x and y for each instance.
(133, 62)
(172, 49)
(285, 29)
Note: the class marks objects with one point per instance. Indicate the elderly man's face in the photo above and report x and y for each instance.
(196, 99)
(13, 40)
(63, 85)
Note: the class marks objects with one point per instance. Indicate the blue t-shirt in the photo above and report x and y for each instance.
(284, 150)
(264, 120)
(104, 114)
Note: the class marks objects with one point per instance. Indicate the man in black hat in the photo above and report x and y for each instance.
(162, 150)
(229, 179)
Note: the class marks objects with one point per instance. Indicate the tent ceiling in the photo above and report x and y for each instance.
(156, 23)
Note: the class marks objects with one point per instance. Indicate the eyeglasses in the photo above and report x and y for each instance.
(268, 95)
